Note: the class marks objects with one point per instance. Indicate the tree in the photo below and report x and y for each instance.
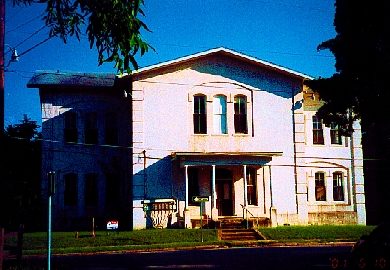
(359, 90)
(20, 174)
(113, 26)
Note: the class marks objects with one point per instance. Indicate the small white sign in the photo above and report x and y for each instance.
(112, 225)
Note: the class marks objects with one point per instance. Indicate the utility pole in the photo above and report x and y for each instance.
(2, 67)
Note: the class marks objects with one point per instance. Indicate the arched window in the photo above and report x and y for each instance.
(200, 114)
(219, 115)
(240, 115)
(320, 189)
(338, 190)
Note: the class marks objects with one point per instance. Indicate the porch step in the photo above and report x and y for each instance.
(239, 235)
(240, 223)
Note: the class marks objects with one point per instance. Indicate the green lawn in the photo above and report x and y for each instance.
(66, 242)
(318, 233)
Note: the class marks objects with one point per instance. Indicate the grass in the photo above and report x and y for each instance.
(316, 233)
(66, 242)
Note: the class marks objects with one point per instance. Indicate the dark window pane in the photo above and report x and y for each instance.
(91, 190)
(70, 191)
(70, 130)
(318, 134)
(320, 190)
(338, 191)
(112, 192)
(200, 116)
(335, 136)
(193, 185)
(90, 128)
(240, 115)
(251, 184)
(111, 129)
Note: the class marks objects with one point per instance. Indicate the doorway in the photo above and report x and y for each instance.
(224, 189)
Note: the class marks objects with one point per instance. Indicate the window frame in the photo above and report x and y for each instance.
(91, 133)
(220, 126)
(111, 128)
(320, 188)
(70, 190)
(335, 135)
(200, 114)
(318, 131)
(91, 190)
(338, 186)
(70, 127)
(240, 118)
(251, 183)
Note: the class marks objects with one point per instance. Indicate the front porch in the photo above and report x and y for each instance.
(237, 185)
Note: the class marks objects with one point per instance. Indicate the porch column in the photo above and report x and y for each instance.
(214, 210)
(245, 188)
(186, 176)
(186, 213)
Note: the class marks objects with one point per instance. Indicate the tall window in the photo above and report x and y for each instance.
(219, 115)
(320, 189)
(70, 191)
(90, 128)
(338, 190)
(111, 129)
(251, 186)
(91, 190)
(193, 184)
(240, 115)
(318, 133)
(112, 192)
(70, 131)
(200, 114)
(335, 136)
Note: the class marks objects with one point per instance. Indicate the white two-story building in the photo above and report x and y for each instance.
(238, 132)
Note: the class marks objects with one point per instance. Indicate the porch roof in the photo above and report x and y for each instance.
(223, 158)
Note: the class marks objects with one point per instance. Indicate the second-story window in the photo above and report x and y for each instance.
(320, 189)
(90, 128)
(240, 115)
(70, 130)
(335, 136)
(318, 133)
(200, 114)
(111, 129)
(219, 115)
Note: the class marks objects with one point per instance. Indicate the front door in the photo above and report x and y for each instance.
(223, 185)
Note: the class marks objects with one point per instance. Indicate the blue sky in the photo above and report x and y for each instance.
(285, 32)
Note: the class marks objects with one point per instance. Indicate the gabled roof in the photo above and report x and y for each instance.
(228, 53)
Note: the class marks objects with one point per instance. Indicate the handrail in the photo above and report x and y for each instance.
(245, 216)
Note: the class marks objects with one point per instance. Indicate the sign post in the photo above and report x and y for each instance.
(201, 200)
(51, 190)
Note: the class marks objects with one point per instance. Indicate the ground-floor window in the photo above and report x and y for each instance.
(320, 189)
(70, 189)
(251, 185)
(338, 190)
(193, 184)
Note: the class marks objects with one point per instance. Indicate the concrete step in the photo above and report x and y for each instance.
(239, 234)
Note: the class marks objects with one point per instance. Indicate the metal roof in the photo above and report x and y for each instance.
(46, 78)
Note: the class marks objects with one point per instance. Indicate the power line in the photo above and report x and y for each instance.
(25, 23)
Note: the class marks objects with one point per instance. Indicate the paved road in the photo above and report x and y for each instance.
(230, 258)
